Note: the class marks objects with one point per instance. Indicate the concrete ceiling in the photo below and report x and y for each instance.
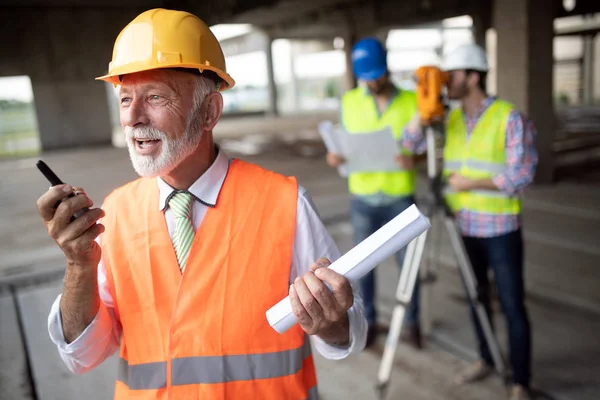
(304, 18)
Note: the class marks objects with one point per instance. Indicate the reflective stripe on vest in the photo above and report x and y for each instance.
(214, 369)
(482, 192)
(361, 116)
(480, 156)
(313, 393)
(492, 168)
(204, 334)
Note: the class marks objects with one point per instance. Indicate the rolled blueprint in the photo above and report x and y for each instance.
(361, 259)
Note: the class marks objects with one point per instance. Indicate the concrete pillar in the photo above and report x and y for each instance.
(294, 84)
(272, 86)
(350, 39)
(491, 50)
(72, 114)
(588, 69)
(597, 69)
(382, 35)
(482, 21)
(525, 69)
(62, 50)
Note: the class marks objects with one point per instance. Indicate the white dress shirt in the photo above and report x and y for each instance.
(102, 336)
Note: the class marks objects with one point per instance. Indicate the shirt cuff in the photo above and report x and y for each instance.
(504, 184)
(81, 354)
(358, 337)
(413, 141)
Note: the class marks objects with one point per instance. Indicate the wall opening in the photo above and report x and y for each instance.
(19, 134)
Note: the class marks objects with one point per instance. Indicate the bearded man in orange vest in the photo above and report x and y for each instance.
(189, 257)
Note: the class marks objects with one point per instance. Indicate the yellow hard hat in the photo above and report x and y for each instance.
(161, 38)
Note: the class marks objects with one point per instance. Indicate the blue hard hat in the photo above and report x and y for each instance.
(369, 59)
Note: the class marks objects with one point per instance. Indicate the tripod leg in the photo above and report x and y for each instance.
(426, 299)
(467, 272)
(406, 285)
(428, 278)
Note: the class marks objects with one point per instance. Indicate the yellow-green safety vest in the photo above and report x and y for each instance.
(481, 156)
(360, 116)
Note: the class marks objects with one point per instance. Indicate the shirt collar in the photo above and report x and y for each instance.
(206, 189)
(395, 92)
(485, 104)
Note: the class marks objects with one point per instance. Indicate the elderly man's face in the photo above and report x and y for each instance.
(162, 124)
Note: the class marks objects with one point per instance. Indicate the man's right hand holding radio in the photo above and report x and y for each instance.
(80, 300)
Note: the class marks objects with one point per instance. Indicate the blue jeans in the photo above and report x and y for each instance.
(366, 219)
(504, 254)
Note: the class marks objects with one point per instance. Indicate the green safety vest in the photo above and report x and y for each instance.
(360, 116)
(482, 156)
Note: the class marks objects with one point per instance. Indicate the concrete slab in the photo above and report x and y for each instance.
(14, 382)
(562, 275)
(566, 351)
(53, 380)
(417, 375)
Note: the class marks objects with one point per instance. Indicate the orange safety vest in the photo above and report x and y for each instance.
(204, 334)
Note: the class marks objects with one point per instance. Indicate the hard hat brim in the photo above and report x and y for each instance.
(115, 79)
(463, 67)
(372, 75)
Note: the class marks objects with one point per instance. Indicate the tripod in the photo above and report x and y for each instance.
(435, 207)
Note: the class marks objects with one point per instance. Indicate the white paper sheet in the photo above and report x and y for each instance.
(332, 138)
(373, 151)
(361, 259)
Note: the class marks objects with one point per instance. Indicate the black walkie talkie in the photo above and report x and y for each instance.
(54, 181)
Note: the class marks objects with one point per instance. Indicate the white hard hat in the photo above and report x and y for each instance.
(469, 56)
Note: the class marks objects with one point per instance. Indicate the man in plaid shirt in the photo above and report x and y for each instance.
(489, 159)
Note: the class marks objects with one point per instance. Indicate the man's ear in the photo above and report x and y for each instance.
(213, 109)
(473, 79)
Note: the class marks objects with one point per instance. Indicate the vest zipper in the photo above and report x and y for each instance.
(170, 355)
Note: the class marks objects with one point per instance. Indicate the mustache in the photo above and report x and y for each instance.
(144, 132)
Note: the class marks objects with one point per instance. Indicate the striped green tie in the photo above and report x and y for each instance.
(181, 204)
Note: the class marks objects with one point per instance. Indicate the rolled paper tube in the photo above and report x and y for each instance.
(362, 258)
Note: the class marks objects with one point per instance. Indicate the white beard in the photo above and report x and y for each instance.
(172, 151)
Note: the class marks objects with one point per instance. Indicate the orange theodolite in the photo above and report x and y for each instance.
(430, 82)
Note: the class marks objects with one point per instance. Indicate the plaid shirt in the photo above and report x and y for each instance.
(521, 161)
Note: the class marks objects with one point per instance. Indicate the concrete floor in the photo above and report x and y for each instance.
(563, 274)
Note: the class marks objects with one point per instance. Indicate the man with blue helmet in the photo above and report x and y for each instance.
(377, 197)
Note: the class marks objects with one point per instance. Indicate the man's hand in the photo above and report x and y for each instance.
(318, 310)
(405, 161)
(335, 160)
(460, 183)
(80, 300)
(76, 239)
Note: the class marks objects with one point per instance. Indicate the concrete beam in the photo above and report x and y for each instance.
(585, 28)
(98, 5)
(409, 13)
(329, 23)
(251, 42)
(371, 16)
(282, 12)
(581, 7)
(211, 11)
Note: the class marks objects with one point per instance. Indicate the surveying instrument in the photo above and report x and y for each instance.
(430, 82)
